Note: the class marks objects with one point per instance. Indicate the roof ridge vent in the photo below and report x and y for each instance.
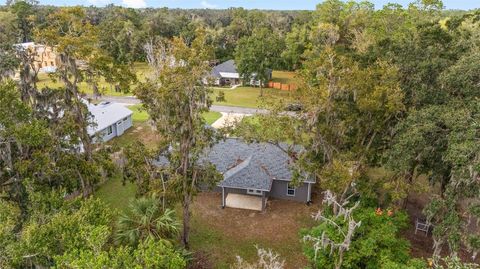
(240, 166)
(105, 103)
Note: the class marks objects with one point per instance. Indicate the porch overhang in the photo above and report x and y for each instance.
(242, 201)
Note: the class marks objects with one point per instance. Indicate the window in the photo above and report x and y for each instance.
(254, 192)
(125, 119)
(290, 190)
(109, 130)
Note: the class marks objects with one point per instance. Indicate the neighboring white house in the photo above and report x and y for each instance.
(111, 120)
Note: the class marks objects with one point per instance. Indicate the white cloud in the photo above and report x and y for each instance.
(133, 3)
(206, 4)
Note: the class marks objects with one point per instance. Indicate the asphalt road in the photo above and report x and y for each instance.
(132, 100)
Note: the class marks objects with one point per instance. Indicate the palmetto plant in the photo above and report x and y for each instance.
(146, 219)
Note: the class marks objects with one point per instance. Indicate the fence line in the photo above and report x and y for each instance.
(281, 86)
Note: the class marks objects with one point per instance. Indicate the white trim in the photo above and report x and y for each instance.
(229, 75)
(223, 197)
(294, 191)
(239, 188)
(301, 181)
(255, 192)
(309, 193)
(109, 130)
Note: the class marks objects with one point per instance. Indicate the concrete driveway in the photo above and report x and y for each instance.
(228, 119)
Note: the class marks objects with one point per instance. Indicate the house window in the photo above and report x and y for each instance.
(124, 119)
(254, 192)
(290, 190)
(109, 130)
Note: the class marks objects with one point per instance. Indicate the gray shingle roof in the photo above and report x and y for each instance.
(225, 67)
(247, 165)
(247, 175)
(252, 166)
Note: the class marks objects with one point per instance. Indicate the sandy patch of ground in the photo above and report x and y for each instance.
(228, 119)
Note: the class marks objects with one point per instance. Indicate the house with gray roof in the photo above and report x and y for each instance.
(254, 172)
(226, 74)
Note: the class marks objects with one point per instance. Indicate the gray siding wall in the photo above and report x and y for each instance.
(232, 190)
(128, 123)
(104, 133)
(279, 191)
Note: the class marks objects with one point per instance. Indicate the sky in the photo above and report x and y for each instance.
(249, 4)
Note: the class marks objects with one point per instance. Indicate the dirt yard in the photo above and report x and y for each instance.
(139, 131)
(223, 234)
(422, 244)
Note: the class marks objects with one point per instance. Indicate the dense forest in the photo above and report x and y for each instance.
(388, 110)
(123, 32)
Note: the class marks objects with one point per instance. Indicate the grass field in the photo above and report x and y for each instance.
(141, 69)
(248, 96)
(241, 96)
(115, 194)
(140, 115)
(284, 77)
(143, 132)
(211, 117)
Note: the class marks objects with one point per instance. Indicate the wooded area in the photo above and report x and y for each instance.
(388, 111)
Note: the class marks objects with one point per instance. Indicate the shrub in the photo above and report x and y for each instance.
(376, 242)
(221, 96)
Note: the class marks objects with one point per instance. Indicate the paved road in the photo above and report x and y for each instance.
(238, 110)
(132, 100)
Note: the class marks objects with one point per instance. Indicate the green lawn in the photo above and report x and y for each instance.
(140, 115)
(115, 194)
(284, 77)
(212, 116)
(225, 248)
(241, 96)
(142, 131)
(142, 70)
(248, 96)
